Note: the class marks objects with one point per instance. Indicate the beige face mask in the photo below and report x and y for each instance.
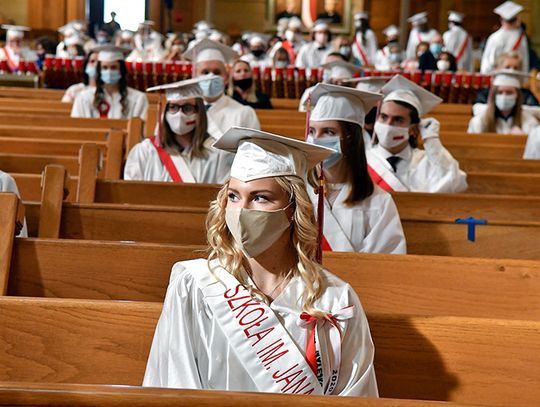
(254, 230)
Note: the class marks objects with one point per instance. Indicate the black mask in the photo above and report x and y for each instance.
(243, 84)
(257, 52)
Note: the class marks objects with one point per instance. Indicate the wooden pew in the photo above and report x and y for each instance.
(83, 395)
(415, 285)
(506, 166)
(501, 183)
(12, 220)
(468, 360)
(25, 93)
(62, 133)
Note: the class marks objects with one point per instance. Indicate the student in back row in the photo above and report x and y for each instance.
(111, 98)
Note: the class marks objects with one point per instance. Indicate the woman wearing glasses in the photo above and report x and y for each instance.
(181, 149)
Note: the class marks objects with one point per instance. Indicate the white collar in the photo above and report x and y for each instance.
(404, 154)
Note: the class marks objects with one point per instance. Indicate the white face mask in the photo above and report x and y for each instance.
(255, 230)
(443, 65)
(181, 123)
(290, 35)
(505, 102)
(390, 136)
(333, 142)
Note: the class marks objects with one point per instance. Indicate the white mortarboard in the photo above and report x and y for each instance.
(146, 23)
(74, 39)
(202, 25)
(370, 83)
(361, 15)
(391, 31)
(181, 90)
(260, 154)
(333, 102)
(418, 18)
(320, 25)
(67, 30)
(508, 10)
(127, 34)
(258, 38)
(15, 31)
(509, 77)
(341, 69)
(216, 35)
(403, 90)
(455, 16)
(208, 50)
(78, 25)
(295, 22)
(110, 53)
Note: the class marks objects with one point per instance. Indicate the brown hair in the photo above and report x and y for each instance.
(354, 154)
(200, 132)
(99, 95)
(488, 119)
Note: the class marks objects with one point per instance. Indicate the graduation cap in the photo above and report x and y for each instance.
(391, 31)
(295, 22)
(341, 69)
(15, 31)
(110, 53)
(258, 38)
(181, 90)
(418, 18)
(76, 38)
(508, 77)
(260, 154)
(208, 50)
(361, 15)
(455, 16)
(320, 25)
(333, 102)
(403, 90)
(508, 10)
(370, 83)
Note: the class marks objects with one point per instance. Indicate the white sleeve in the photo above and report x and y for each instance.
(532, 147)
(410, 52)
(80, 107)
(385, 234)
(7, 184)
(141, 107)
(357, 373)
(249, 118)
(300, 63)
(475, 125)
(371, 46)
(173, 356)
(68, 95)
(134, 168)
(488, 62)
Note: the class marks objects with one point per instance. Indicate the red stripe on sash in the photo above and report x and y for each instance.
(361, 51)
(12, 66)
(103, 109)
(167, 162)
(462, 50)
(325, 245)
(311, 353)
(377, 179)
(518, 42)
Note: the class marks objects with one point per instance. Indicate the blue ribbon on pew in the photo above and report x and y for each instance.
(471, 223)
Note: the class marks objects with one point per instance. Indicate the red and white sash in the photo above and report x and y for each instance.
(334, 237)
(263, 345)
(175, 165)
(518, 42)
(361, 51)
(13, 67)
(462, 48)
(382, 174)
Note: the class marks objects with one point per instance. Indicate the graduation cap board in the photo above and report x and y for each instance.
(15, 31)
(341, 69)
(418, 18)
(508, 10)
(370, 83)
(260, 154)
(361, 15)
(455, 16)
(333, 102)
(208, 50)
(403, 90)
(391, 31)
(110, 53)
(181, 90)
(509, 77)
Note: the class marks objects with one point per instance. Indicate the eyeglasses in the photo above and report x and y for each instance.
(186, 109)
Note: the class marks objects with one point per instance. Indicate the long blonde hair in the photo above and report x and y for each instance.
(224, 249)
(488, 118)
(251, 95)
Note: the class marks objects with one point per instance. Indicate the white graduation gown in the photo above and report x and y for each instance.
(454, 40)
(191, 350)
(528, 122)
(255, 62)
(137, 105)
(143, 164)
(502, 41)
(430, 170)
(532, 147)
(7, 184)
(415, 37)
(227, 112)
(310, 56)
(370, 226)
(369, 48)
(72, 92)
(383, 61)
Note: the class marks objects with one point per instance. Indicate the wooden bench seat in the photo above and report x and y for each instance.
(411, 284)
(468, 360)
(62, 133)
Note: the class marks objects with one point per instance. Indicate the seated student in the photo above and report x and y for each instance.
(358, 215)
(210, 57)
(446, 62)
(7, 184)
(242, 88)
(111, 98)
(181, 150)
(509, 60)
(395, 163)
(261, 314)
(89, 78)
(504, 112)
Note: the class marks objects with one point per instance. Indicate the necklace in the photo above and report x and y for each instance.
(285, 277)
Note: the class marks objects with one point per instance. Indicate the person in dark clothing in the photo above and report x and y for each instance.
(242, 88)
